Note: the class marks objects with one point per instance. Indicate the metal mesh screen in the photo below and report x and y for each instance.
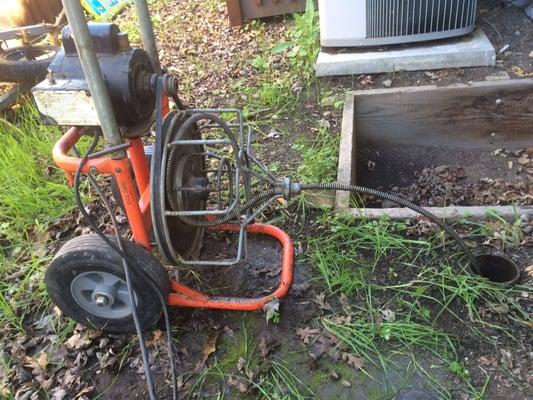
(396, 18)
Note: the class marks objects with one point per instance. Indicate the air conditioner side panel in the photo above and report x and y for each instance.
(342, 22)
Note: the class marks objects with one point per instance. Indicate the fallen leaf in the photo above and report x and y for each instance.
(78, 341)
(352, 361)
(320, 299)
(86, 390)
(519, 71)
(266, 343)
(156, 337)
(366, 80)
(39, 362)
(388, 315)
(487, 361)
(238, 383)
(208, 349)
(241, 364)
(345, 303)
(58, 394)
(506, 358)
(307, 333)
(524, 159)
(272, 309)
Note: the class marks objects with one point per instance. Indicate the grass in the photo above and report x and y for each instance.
(33, 193)
(428, 293)
(349, 251)
(239, 359)
(385, 346)
(320, 156)
(509, 233)
(280, 95)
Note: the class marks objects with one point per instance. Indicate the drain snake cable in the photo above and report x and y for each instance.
(284, 188)
(296, 189)
(126, 260)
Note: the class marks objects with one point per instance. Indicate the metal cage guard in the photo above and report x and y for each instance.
(136, 198)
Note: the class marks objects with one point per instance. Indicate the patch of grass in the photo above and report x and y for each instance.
(320, 156)
(277, 92)
(281, 384)
(32, 190)
(443, 285)
(426, 296)
(33, 193)
(350, 250)
(509, 233)
(304, 46)
(382, 345)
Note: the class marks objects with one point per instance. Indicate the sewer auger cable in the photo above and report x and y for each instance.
(268, 194)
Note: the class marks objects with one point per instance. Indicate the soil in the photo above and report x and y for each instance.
(98, 365)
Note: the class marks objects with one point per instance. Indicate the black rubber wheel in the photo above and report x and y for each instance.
(86, 281)
(25, 64)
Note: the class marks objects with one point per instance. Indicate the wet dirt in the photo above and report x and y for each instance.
(193, 329)
(322, 372)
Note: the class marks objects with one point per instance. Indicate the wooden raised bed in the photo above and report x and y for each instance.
(242, 10)
(406, 129)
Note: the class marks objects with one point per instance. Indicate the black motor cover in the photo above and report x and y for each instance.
(122, 66)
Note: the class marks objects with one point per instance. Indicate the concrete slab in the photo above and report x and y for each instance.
(473, 50)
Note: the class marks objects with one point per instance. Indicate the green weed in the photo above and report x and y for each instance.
(509, 233)
(275, 90)
(319, 157)
(32, 190)
(304, 47)
(349, 251)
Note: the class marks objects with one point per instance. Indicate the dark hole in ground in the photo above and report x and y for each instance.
(498, 269)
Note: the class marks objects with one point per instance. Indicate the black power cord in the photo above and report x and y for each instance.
(118, 247)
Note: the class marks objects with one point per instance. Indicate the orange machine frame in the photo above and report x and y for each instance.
(136, 199)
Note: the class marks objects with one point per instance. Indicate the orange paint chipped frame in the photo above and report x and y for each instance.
(136, 199)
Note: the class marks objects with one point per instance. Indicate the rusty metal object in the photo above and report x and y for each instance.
(242, 10)
(28, 12)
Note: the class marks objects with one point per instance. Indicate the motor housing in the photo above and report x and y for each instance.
(63, 98)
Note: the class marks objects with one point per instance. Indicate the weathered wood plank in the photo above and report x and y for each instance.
(508, 213)
(484, 114)
(347, 167)
(234, 12)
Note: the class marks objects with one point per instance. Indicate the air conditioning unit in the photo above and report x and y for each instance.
(359, 23)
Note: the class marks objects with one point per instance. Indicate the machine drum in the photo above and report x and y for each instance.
(86, 281)
(179, 185)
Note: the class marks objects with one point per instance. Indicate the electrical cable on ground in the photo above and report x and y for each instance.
(120, 250)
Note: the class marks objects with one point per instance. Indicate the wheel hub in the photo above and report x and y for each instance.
(101, 294)
(102, 299)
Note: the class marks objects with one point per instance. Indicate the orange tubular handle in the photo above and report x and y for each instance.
(136, 200)
(138, 214)
(184, 296)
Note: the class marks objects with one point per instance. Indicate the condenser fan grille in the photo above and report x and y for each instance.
(432, 19)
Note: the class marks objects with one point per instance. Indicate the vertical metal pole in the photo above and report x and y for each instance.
(147, 33)
(93, 73)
